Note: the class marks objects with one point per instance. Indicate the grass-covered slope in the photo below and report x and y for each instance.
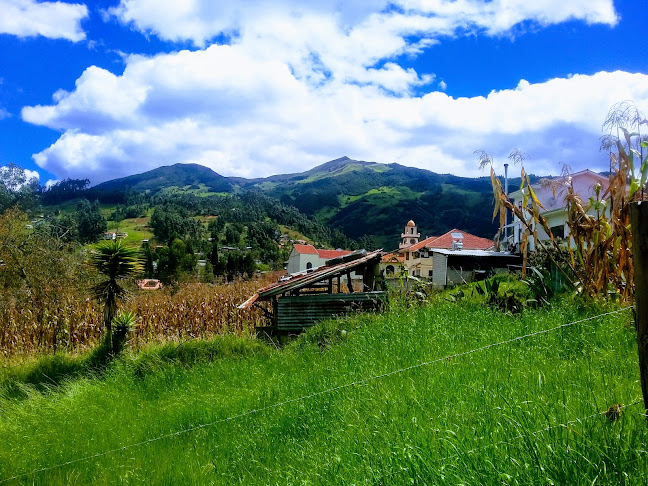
(192, 178)
(362, 198)
(260, 415)
(378, 199)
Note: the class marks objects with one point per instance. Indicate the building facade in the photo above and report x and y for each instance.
(418, 257)
(306, 257)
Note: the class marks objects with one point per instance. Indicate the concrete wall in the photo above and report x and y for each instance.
(440, 270)
(297, 262)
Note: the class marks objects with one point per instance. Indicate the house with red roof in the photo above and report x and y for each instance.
(306, 257)
(392, 265)
(418, 256)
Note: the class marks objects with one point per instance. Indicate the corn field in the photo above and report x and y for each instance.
(74, 323)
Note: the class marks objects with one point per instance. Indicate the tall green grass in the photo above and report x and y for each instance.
(485, 418)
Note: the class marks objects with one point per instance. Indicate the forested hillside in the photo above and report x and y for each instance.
(361, 199)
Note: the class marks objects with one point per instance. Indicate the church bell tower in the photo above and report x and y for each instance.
(410, 235)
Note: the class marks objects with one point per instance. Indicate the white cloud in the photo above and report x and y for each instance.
(32, 174)
(224, 109)
(298, 86)
(29, 18)
(201, 20)
(347, 41)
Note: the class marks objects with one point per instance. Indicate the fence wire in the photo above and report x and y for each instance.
(316, 394)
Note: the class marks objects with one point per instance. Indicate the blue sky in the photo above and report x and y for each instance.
(105, 89)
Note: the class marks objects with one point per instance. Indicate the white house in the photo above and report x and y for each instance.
(555, 207)
(305, 257)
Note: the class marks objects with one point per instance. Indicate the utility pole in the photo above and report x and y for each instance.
(506, 212)
(639, 224)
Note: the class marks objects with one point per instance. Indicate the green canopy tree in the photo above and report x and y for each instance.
(90, 222)
(115, 261)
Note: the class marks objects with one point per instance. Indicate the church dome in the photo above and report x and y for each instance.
(410, 223)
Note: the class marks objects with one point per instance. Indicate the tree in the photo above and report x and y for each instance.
(149, 258)
(232, 236)
(65, 190)
(169, 220)
(176, 259)
(90, 222)
(16, 189)
(116, 262)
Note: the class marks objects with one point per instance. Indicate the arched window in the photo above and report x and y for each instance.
(412, 241)
(389, 270)
(309, 265)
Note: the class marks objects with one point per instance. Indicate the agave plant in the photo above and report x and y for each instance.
(116, 262)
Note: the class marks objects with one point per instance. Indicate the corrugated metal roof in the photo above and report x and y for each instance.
(301, 280)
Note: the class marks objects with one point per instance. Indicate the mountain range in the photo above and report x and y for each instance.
(361, 198)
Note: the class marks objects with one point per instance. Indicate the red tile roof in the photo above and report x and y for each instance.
(393, 258)
(324, 254)
(421, 244)
(470, 242)
(328, 254)
(305, 249)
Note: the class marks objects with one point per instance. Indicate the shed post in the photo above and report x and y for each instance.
(639, 224)
(275, 310)
(368, 278)
(349, 284)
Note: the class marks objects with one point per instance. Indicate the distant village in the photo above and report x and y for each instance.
(457, 256)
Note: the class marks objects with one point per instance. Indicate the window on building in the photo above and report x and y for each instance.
(309, 265)
(407, 256)
(558, 231)
(430, 273)
(389, 270)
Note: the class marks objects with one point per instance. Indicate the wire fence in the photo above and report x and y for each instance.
(328, 391)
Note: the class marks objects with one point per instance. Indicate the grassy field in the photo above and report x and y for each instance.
(350, 402)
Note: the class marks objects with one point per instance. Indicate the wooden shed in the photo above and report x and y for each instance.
(300, 300)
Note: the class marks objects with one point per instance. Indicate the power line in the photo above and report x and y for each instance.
(307, 397)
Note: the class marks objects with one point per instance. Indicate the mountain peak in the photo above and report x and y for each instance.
(337, 164)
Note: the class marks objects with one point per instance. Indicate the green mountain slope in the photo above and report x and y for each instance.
(362, 198)
(183, 177)
(367, 198)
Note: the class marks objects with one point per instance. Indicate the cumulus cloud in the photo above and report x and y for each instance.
(29, 18)
(225, 110)
(296, 86)
(200, 20)
(351, 44)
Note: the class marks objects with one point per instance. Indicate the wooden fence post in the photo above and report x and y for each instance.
(639, 222)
